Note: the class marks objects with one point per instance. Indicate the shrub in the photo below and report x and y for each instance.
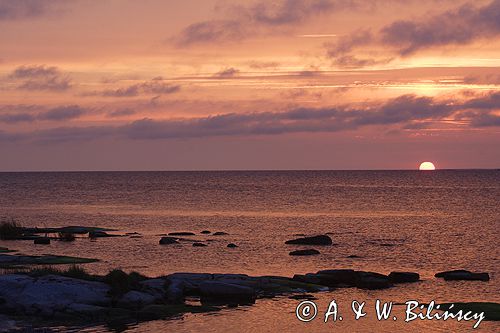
(121, 282)
(10, 229)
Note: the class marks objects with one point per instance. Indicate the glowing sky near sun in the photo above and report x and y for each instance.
(282, 84)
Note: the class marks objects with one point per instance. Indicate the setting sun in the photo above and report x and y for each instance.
(427, 166)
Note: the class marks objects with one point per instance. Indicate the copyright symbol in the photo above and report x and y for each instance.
(306, 311)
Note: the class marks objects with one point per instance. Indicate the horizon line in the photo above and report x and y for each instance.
(244, 170)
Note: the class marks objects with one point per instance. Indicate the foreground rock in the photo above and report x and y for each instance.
(233, 293)
(313, 240)
(49, 296)
(308, 252)
(122, 297)
(460, 274)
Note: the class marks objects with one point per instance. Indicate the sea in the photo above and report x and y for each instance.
(381, 221)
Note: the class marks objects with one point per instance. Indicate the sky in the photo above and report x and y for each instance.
(249, 84)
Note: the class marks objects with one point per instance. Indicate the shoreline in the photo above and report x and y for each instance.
(47, 297)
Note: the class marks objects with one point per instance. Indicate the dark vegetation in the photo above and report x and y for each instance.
(10, 229)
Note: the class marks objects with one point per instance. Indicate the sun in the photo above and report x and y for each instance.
(427, 166)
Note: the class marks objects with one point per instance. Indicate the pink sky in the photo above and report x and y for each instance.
(287, 84)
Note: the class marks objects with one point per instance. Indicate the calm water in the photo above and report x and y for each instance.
(391, 220)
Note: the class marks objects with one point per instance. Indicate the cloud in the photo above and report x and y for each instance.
(260, 17)
(263, 64)
(460, 26)
(12, 118)
(457, 27)
(62, 113)
(155, 86)
(227, 72)
(121, 113)
(24, 9)
(212, 31)
(40, 78)
(404, 112)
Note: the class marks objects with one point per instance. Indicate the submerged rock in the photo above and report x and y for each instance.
(308, 252)
(199, 245)
(404, 277)
(181, 233)
(220, 233)
(461, 274)
(313, 240)
(232, 245)
(168, 240)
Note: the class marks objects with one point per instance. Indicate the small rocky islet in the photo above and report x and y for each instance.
(47, 295)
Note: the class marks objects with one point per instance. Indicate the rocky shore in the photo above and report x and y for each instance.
(47, 296)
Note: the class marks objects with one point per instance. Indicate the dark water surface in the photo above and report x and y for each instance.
(392, 220)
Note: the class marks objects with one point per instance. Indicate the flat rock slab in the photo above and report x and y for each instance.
(313, 240)
(457, 275)
(47, 294)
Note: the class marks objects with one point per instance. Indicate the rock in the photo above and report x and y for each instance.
(219, 291)
(92, 311)
(205, 232)
(98, 234)
(372, 281)
(199, 245)
(42, 240)
(231, 245)
(175, 292)
(135, 236)
(43, 296)
(220, 233)
(353, 256)
(135, 300)
(168, 240)
(308, 278)
(337, 277)
(404, 277)
(314, 240)
(155, 287)
(7, 325)
(463, 275)
(308, 252)
(181, 233)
